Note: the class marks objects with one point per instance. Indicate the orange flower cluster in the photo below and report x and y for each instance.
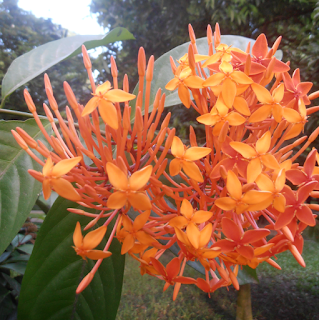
(238, 200)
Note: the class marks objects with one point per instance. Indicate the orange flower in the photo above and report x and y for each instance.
(104, 98)
(189, 215)
(259, 156)
(52, 178)
(184, 159)
(219, 115)
(270, 103)
(128, 189)
(251, 200)
(84, 246)
(184, 80)
(132, 232)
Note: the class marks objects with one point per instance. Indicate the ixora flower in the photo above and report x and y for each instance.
(237, 199)
(104, 98)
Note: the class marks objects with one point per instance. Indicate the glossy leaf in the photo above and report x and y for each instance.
(33, 63)
(54, 272)
(163, 73)
(18, 190)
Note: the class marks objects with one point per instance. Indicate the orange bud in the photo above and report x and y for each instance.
(314, 135)
(141, 62)
(20, 141)
(191, 34)
(84, 283)
(150, 68)
(86, 58)
(29, 101)
(48, 113)
(70, 96)
(113, 67)
(314, 95)
(29, 140)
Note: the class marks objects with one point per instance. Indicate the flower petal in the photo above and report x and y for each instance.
(177, 147)
(191, 169)
(98, 254)
(116, 176)
(77, 235)
(90, 106)
(263, 144)
(262, 94)
(108, 113)
(225, 203)
(231, 230)
(175, 167)
(193, 235)
(118, 95)
(65, 189)
(233, 185)
(116, 200)
(139, 179)
(196, 153)
(201, 216)
(184, 95)
(140, 201)
(245, 150)
(187, 209)
(64, 166)
(93, 238)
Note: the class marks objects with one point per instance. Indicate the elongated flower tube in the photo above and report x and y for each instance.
(237, 199)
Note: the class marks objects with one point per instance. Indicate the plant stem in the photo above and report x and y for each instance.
(244, 311)
(43, 206)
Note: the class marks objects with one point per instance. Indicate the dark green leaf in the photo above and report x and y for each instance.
(33, 63)
(247, 275)
(14, 284)
(163, 73)
(18, 267)
(18, 190)
(4, 256)
(54, 272)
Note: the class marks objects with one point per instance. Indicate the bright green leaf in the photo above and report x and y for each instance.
(18, 190)
(54, 271)
(33, 63)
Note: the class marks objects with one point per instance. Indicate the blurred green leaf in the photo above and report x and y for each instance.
(247, 275)
(27, 248)
(54, 272)
(18, 267)
(33, 63)
(18, 190)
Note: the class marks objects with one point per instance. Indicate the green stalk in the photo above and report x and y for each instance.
(244, 311)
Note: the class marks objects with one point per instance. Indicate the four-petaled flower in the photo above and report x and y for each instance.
(52, 178)
(184, 159)
(84, 246)
(104, 98)
(128, 189)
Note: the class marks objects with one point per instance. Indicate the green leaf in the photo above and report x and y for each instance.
(18, 190)
(163, 73)
(247, 275)
(27, 248)
(33, 63)
(18, 267)
(54, 272)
